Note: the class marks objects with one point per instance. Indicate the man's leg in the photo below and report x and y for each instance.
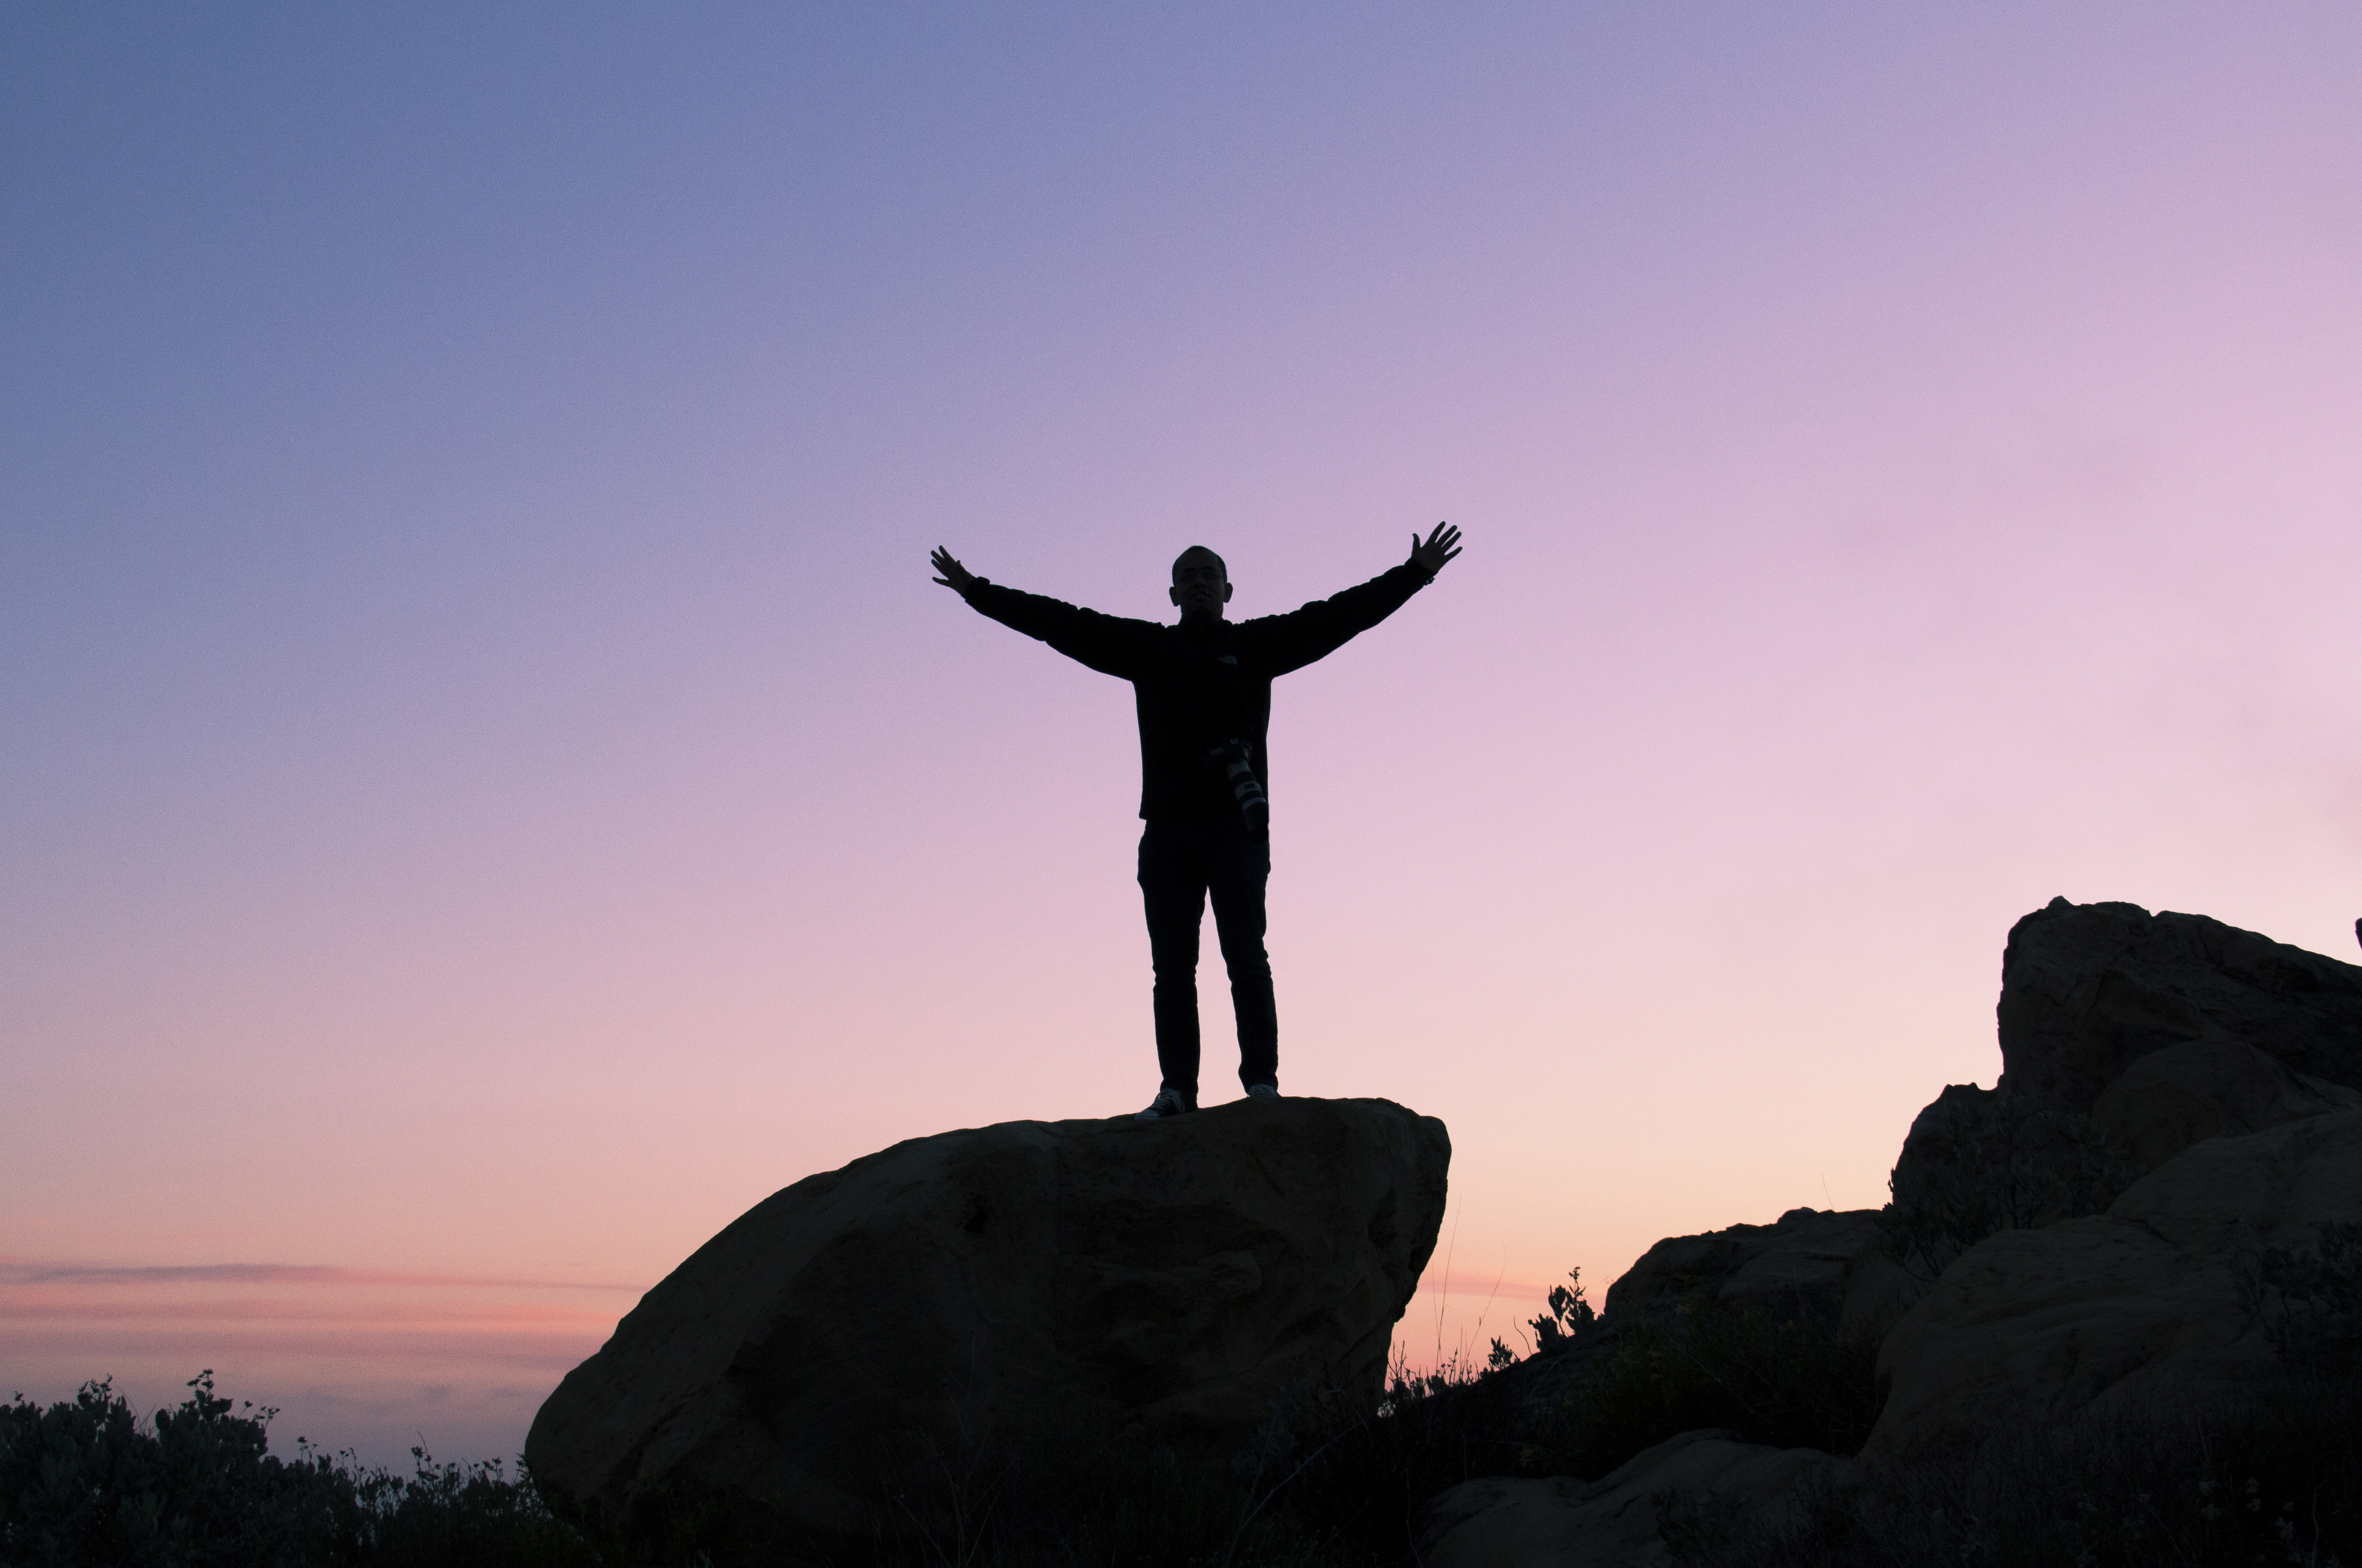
(1172, 889)
(1237, 871)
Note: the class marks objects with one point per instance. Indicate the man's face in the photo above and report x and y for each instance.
(1200, 586)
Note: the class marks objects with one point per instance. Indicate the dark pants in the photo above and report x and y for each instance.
(1180, 864)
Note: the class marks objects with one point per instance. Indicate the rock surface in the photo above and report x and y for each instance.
(1801, 1266)
(2088, 989)
(2153, 1023)
(1825, 1266)
(2226, 1067)
(2140, 1304)
(2214, 1088)
(1166, 1279)
(1616, 1521)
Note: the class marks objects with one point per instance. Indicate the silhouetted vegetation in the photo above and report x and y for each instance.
(1783, 1382)
(1570, 1317)
(85, 1482)
(2310, 1299)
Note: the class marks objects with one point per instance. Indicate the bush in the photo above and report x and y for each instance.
(82, 1481)
(470, 1516)
(2310, 1302)
(1764, 1378)
(1570, 1317)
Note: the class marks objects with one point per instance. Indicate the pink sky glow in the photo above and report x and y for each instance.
(491, 793)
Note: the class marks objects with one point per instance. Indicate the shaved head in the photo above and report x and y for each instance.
(1200, 550)
(1201, 585)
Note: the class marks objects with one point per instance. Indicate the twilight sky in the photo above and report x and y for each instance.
(490, 792)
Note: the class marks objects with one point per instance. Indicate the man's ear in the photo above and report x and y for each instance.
(1174, 594)
(1226, 593)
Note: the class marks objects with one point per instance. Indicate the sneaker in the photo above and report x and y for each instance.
(1263, 1090)
(1168, 1102)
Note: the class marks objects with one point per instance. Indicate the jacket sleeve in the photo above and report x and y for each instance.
(1108, 643)
(1292, 640)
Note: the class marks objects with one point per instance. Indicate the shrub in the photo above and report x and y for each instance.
(1569, 1318)
(470, 1516)
(82, 1481)
(2310, 1302)
(1786, 1382)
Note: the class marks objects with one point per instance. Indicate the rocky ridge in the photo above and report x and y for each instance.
(2176, 1096)
(2178, 1099)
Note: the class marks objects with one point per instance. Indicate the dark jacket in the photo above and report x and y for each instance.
(1199, 687)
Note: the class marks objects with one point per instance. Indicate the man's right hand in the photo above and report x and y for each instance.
(951, 574)
(1441, 546)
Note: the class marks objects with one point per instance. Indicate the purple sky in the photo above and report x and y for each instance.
(490, 791)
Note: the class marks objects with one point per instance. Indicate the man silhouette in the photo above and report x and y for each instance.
(1203, 692)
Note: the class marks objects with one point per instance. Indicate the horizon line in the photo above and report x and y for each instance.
(24, 1271)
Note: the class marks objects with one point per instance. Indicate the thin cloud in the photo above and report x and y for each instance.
(27, 1271)
(1481, 1287)
(71, 1307)
(258, 1355)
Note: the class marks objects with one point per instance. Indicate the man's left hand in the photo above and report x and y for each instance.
(1441, 546)
(951, 574)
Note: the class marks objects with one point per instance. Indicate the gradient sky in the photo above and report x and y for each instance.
(490, 792)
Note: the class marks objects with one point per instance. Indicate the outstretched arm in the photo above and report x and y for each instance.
(1292, 640)
(1107, 643)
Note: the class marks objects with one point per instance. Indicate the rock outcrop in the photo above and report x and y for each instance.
(2138, 1305)
(1621, 1519)
(2089, 989)
(2216, 1087)
(2150, 1032)
(1824, 1267)
(1816, 1264)
(2226, 1067)
(2180, 1115)
(1168, 1281)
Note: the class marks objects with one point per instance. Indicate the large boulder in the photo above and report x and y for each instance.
(2138, 1305)
(1813, 1263)
(1700, 1484)
(1825, 1267)
(2144, 1033)
(2088, 989)
(1168, 1281)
